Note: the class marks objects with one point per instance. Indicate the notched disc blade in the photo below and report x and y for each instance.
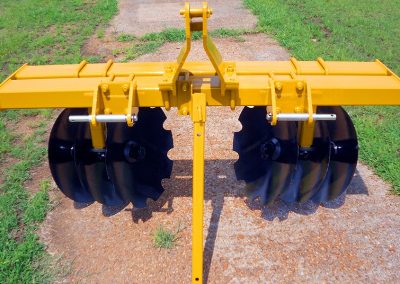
(91, 168)
(61, 153)
(137, 158)
(267, 154)
(343, 155)
(311, 168)
(247, 143)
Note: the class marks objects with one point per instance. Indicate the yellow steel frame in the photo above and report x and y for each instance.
(120, 88)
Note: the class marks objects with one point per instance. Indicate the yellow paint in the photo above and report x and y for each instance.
(97, 132)
(120, 88)
(198, 114)
(172, 70)
(39, 87)
(306, 132)
(131, 90)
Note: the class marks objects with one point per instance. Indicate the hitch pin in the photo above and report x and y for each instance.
(101, 118)
(301, 116)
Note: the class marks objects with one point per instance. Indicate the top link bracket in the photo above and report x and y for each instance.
(226, 71)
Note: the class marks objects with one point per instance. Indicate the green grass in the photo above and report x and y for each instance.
(164, 238)
(21, 254)
(230, 33)
(151, 42)
(346, 30)
(101, 32)
(178, 35)
(36, 32)
(44, 32)
(125, 37)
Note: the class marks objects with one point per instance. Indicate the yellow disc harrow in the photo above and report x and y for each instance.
(108, 145)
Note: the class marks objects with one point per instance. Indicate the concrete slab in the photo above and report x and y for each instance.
(139, 17)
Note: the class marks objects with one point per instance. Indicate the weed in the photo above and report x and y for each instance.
(141, 48)
(100, 33)
(125, 37)
(164, 238)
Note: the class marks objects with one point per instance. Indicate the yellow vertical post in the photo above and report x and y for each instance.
(97, 132)
(306, 132)
(199, 118)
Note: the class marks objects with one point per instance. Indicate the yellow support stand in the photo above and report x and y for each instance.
(199, 119)
(198, 203)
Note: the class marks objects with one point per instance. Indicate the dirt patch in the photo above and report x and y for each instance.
(250, 47)
(324, 29)
(104, 47)
(37, 174)
(25, 127)
(23, 130)
(4, 164)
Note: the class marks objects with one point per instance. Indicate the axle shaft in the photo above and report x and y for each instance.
(101, 118)
(301, 116)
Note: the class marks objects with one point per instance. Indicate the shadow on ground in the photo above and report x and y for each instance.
(220, 183)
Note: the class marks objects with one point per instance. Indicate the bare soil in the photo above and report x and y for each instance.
(104, 47)
(351, 240)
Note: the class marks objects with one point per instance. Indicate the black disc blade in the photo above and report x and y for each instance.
(91, 167)
(247, 142)
(61, 150)
(311, 168)
(137, 158)
(343, 155)
(267, 154)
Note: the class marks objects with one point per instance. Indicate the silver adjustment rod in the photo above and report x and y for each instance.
(301, 116)
(110, 118)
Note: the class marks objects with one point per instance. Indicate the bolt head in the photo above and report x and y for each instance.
(298, 109)
(278, 86)
(104, 88)
(300, 86)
